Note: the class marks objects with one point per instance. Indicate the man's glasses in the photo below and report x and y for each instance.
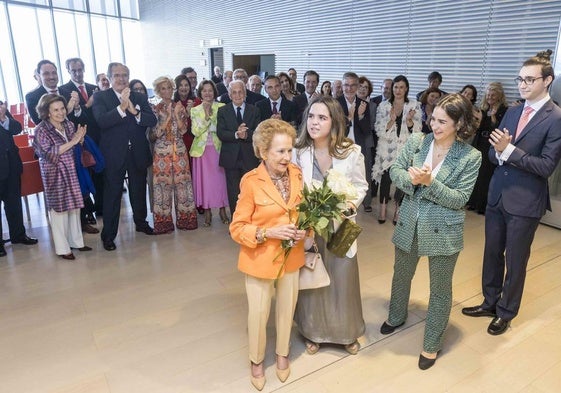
(529, 80)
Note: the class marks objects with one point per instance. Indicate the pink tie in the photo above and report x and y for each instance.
(83, 92)
(523, 120)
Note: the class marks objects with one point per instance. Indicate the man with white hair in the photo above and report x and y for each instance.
(255, 84)
(217, 76)
(236, 122)
(250, 97)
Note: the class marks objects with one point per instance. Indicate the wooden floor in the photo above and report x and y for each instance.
(167, 314)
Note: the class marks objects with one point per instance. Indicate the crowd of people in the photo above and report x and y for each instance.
(249, 145)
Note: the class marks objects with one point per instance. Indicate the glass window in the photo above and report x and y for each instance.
(107, 41)
(129, 9)
(33, 40)
(37, 2)
(76, 5)
(133, 54)
(8, 85)
(73, 30)
(107, 7)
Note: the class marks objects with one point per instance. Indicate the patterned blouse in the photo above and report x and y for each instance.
(58, 171)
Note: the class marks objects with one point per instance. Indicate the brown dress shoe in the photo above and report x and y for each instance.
(89, 229)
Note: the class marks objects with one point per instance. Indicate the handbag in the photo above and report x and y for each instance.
(343, 239)
(87, 159)
(313, 274)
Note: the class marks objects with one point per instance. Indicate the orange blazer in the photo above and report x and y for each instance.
(261, 205)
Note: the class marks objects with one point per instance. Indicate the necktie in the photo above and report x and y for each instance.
(239, 115)
(83, 92)
(523, 120)
(275, 111)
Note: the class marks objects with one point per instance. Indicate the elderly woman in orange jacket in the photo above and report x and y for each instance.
(262, 220)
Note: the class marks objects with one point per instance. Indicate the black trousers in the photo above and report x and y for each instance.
(233, 178)
(10, 194)
(513, 236)
(113, 192)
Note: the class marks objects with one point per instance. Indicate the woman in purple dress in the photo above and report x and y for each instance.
(55, 138)
(208, 177)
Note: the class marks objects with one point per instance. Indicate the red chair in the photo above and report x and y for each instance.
(27, 153)
(31, 183)
(22, 140)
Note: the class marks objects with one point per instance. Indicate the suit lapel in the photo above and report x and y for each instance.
(450, 162)
(247, 114)
(540, 116)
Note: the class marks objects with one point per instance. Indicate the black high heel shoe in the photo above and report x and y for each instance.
(426, 363)
(224, 216)
(382, 214)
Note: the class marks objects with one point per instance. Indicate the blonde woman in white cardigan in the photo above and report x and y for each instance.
(396, 119)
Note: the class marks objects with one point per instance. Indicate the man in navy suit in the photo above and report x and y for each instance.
(83, 115)
(276, 106)
(48, 77)
(311, 81)
(357, 112)
(10, 180)
(386, 90)
(236, 122)
(123, 116)
(526, 149)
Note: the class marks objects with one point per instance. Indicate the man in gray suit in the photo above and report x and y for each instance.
(526, 149)
(236, 122)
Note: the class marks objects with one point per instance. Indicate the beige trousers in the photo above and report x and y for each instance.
(259, 294)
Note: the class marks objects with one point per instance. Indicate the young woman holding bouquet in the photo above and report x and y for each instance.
(437, 173)
(262, 220)
(332, 314)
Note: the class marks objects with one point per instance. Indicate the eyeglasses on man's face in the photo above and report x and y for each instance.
(529, 80)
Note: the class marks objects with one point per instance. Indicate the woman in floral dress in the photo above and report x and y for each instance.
(172, 175)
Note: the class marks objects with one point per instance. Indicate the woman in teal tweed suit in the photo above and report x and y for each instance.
(437, 173)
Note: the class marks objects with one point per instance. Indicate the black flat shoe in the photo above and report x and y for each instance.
(478, 311)
(426, 363)
(498, 326)
(381, 221)
(145, 229)
(386, 328)
(2, 251)
(28, 241)
(85, 248)
(109, 245)
(368, 209)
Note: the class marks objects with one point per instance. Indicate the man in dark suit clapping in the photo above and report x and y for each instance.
(83, 115)
(235, 126)
(10, 181)
(276, 106)
(526, 149)
(123, 116)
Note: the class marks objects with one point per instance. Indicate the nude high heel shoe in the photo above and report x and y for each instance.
(282, 374)
(257, 382)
